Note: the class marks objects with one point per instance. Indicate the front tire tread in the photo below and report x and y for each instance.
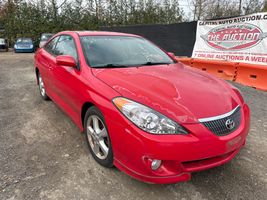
(108, 161)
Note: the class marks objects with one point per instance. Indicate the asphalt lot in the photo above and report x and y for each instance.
(43, 155)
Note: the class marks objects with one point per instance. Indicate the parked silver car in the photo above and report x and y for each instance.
(44, 38)
(3, 44)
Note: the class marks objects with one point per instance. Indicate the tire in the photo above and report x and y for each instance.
(42, 87)
(97, 137)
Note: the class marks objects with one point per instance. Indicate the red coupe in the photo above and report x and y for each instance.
(142, 111)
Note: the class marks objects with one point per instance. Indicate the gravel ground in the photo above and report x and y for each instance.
(43, 155)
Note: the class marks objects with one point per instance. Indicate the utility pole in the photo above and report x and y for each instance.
(240, 6)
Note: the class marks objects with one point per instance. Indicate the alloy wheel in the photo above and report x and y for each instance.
(97, 137)
(41, 86)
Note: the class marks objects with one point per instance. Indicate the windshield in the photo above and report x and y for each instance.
(24, 40)
(46, 37)
(101, 51)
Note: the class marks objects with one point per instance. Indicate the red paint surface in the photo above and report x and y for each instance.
(181, 93)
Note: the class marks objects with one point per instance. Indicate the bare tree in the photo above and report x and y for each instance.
(264, 9)
(252, 6)
(199, 7)
(55, 8)
(213, 9)
(221, 9)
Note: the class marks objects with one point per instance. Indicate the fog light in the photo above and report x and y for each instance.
(155, 164)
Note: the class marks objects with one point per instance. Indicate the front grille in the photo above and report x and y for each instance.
(224, 124)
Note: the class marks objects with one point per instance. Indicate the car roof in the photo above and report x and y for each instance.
(103, 33)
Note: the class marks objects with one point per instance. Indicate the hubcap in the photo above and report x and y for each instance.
(97, 137)
(41, 86)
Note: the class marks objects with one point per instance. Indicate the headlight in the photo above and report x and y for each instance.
(16, 46)
(31, 46)
(146, 118)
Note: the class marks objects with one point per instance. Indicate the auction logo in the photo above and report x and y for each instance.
(234, 37)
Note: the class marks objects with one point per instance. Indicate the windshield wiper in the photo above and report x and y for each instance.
(110, 65)
(154, 63)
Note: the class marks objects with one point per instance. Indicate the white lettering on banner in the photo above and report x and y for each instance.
(240, 39)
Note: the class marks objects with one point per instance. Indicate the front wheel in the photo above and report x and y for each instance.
(42, 87)
(97, 137)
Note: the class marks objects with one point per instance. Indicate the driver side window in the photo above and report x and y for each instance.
(66, 46)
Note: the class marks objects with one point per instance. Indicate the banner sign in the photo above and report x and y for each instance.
(240, 39)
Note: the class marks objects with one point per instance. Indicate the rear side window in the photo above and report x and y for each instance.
(66, 46)
(51, 46)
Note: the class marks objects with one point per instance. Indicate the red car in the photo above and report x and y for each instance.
(142, 111)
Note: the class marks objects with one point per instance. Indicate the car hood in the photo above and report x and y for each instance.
(177, 91)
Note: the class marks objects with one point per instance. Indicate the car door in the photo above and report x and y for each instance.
(66, 80)
(46, 61)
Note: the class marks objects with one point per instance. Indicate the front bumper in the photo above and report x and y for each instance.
(180, 154)
(24, 50)
(3, 46)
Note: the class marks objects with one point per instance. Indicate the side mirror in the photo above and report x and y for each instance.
(66, 61)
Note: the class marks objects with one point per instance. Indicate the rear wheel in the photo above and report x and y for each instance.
(97, 137)
(42, 87)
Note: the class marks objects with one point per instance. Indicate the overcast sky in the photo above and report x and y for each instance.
(185, 5)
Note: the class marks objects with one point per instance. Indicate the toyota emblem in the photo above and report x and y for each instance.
(230, 124)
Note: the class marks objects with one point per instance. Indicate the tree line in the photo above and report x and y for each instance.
(30, 18)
